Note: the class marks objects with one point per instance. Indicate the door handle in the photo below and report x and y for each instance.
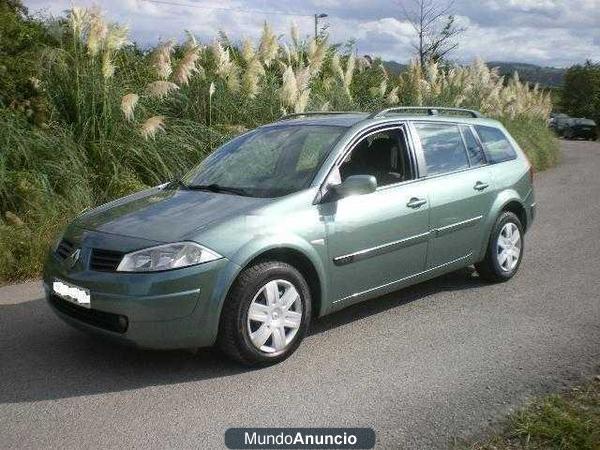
(416, 202)
(479, 186)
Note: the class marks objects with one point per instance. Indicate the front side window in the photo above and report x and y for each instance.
(497, 146)
(443, 148)
(266, 162)
(383, 155)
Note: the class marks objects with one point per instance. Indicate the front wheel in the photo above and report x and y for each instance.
(266, 314)
(505, 249)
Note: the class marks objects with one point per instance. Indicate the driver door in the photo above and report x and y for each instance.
(378, 240)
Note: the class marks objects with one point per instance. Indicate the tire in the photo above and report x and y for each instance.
(260, 288)
(493, 268)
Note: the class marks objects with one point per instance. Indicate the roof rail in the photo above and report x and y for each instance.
(430, 110)
(318, 113)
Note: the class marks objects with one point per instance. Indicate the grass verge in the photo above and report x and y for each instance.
(568, 421)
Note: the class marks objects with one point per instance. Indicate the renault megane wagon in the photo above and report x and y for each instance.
(295, 220)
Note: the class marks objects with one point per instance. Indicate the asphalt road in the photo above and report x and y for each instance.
(447, 358)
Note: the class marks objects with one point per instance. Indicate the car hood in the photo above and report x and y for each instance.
(166, 215)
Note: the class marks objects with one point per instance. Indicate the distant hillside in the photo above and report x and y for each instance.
(545, 76)
(394, 67)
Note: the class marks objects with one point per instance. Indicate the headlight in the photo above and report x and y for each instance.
(166, 257)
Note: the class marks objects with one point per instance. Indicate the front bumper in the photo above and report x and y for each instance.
(163, 310)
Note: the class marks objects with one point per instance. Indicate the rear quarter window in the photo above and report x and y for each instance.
(496, 144)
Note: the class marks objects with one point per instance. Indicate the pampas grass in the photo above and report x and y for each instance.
(152, 126)
(268, 46)
(97, 32)
(187, 66)
(161, 59)
(160, 89)
(128, 104)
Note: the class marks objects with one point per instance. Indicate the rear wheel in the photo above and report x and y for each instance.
(266, 314)
(505, 249)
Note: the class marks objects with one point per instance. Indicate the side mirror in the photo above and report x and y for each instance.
(353, 185)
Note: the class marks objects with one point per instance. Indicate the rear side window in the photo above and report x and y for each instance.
(497, 146)
(476, 156)
(443, 148)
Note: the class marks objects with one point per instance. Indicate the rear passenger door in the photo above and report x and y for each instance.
(460, 186)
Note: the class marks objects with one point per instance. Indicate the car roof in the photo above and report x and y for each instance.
(349, 120)
(339, 120)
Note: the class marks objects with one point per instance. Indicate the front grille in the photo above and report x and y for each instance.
(64, 249)
(105, 260)
(101, 319)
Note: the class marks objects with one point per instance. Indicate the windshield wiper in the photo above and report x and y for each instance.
(214, 187)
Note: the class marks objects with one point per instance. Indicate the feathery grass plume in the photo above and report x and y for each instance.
(316, 54)
(161, 88)
(349, 73)
(344, 76)
(379, 91)
(128, 104)
(211, 92)
(302, 101)
(223, 62)
(190, 41)
(152, 126)
(325, 106)
(289, 89)
(362, 63)
(97, 32)
(251, 78)
(287, 54)
(328, 83)
(268, 46)
(295, 91)
(13, 219)
(226, 67)
(248, 52)
(161, 59)
(36, 84)
(476, 86)
(78, 21)
(392, 97)
(187, 65)
(108, 68)
(295, 51)
(295, 34)
(117, 37)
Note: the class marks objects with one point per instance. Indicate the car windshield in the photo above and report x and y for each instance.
(267, 162)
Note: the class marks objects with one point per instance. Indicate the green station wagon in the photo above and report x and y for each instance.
(295, 220)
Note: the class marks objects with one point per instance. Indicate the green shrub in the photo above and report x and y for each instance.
(536, 140)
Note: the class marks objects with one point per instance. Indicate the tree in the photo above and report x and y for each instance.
(435, 26)
(581, 91)
(22, 39)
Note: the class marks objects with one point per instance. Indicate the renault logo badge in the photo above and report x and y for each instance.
(73, 258)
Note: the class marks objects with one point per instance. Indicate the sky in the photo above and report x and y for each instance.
(555, 33)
